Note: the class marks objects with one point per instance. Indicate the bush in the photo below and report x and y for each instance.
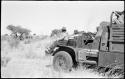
(4, 61)
(19, 32)
(13, 42)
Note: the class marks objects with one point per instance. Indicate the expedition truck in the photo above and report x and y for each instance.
(104, 49)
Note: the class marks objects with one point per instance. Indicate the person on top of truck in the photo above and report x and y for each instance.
(64, 31)
(64, 34)
(119, 17)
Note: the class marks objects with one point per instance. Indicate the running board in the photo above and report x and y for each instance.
(88, 62)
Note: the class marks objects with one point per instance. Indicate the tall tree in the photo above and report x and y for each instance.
(18, 30)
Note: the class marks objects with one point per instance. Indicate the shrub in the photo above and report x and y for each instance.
(4, 61)
(13, 42)
(19, 32)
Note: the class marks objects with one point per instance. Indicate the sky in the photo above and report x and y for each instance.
(41, 17)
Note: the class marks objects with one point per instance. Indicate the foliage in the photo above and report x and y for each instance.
(18, 31)
(4, 61)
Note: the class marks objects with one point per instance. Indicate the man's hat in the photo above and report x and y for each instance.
(63, 29)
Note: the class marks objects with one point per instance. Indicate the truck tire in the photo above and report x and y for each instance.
(62, 61)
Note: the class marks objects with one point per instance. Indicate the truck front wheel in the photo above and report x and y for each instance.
(62, 61)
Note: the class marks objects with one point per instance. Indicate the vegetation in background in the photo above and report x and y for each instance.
(18, 31)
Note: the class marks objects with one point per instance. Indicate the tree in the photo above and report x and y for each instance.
(23, 32)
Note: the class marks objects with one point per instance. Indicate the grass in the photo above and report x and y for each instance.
(29, 60)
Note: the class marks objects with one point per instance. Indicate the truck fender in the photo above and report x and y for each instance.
(72, 51)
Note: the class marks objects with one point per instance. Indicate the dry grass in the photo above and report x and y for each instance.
(21, 60)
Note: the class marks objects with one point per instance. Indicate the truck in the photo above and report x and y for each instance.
(105, 49)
